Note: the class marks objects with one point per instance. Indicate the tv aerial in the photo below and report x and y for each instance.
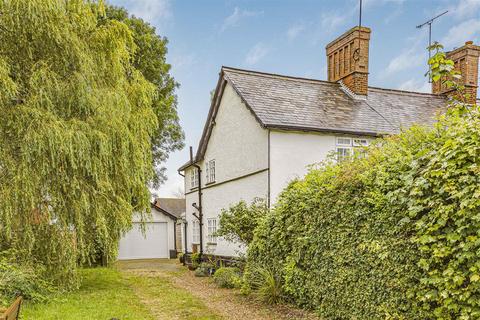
(429, 23)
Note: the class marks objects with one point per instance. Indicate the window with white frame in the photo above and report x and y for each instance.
(195, 231)
(343, 141)
(193, 178)
(212, 230)
(343, 153)
(210, 171)
(360, 142)
(346, 147)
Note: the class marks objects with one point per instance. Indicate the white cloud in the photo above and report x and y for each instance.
(457, 35)
(368, 3)
(150, 10)
(238, 14)
(173, 187)
(294, 31)
(256, 53)
(183, 61)
(407, 59)
(415, 85)
(465, 9)
(332, 20)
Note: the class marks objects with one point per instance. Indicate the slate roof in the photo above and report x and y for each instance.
(292, 103)
(172, 206)
(295, 103)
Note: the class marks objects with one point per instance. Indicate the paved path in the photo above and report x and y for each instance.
(226, 303)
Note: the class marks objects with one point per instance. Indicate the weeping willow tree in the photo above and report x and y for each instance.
(77, 125)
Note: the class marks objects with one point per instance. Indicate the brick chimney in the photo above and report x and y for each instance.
(466, 61)
(348, 59)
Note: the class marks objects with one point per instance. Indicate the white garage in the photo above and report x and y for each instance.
(158, 240)
(153, 244)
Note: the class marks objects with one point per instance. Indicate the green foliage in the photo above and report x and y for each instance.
(79, 123)
(25, 280)
(239, 221)
(264, 283)
(203, 270)
(150, 59)
(228, 277)
(393, 235)
(195, 260)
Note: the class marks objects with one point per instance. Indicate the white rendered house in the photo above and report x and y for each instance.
(263, 130)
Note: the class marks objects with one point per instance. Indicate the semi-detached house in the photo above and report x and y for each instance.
(263, 130)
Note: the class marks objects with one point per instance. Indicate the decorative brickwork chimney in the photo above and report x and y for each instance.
(348, 59)
(466, 61)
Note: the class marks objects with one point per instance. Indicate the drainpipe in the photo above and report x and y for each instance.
(199, 207)
(185, 236)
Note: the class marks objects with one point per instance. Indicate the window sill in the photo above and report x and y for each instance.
(209, 183)
(193, 189)
(211, 243)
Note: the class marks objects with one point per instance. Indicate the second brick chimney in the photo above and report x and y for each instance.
(466, 61)
(347, 59)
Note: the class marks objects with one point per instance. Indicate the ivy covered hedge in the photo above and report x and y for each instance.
(394, 235)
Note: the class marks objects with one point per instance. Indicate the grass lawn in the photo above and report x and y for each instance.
(108, 293)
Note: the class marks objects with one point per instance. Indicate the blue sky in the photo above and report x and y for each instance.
(289, 37)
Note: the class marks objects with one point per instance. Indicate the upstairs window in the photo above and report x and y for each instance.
(212, 230)
(193, 178)
(342, 141)
(360, 142)
(210, 170)
(346, 147)
(196, 232)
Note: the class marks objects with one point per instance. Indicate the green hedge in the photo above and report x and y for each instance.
(394, 235)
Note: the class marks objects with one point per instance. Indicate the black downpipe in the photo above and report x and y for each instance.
(185, 236)
(175, 237)
(200, 213)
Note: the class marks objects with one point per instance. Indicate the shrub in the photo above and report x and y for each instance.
(393, 235)
(264, 283)
(195, 260)
(17, 279)
(227, 277)
(238, 223)
(204, 270)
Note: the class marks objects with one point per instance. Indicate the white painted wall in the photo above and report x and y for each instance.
(291, 154)
(238, 143)
(223, 196)
(239, 146)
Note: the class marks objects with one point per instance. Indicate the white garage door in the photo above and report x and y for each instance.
(135, 245)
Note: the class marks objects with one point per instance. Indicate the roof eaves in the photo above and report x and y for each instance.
(207, 129)
(163, 211)
(326, 130)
